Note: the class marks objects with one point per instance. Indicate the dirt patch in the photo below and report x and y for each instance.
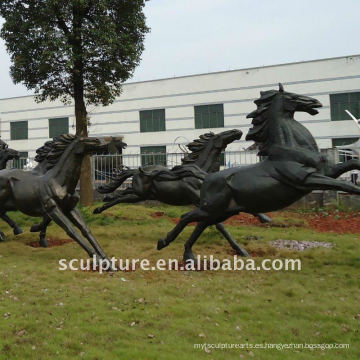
(327, 221)
(157, 214)
(337, 222)
(51, 242)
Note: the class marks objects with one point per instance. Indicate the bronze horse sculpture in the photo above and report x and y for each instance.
(50, 193)
(293, 167)
(7, 154)
(113, 146)
(156, 182)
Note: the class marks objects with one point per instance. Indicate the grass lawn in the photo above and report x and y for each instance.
(50, 314)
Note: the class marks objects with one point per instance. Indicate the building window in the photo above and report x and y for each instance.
(21, 161)
(346, 101)
(152, 120)
(153, 155)
(58, 126)
(19, 130)
(209, 116)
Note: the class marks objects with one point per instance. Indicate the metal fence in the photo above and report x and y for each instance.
(105, 167)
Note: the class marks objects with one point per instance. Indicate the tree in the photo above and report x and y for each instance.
(80, 50)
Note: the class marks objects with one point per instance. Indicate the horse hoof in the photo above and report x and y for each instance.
(264, 219)
(97, 211)
(161, 244)
(18, 231)
(2, 236)
(43, 243)
(190, 262)
(242, 252)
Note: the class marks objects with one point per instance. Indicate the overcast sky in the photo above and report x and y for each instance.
(197, 36)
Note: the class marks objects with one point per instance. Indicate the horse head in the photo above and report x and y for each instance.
(93, 145)
(6, 154)
(223, 139)
(116, 145)
(273, 120)
(205, 151)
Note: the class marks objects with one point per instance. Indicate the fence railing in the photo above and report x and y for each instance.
(105, 167)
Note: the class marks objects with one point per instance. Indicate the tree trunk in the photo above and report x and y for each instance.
(86, 188)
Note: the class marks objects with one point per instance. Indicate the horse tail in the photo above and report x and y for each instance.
(116, 181)
(175, 174)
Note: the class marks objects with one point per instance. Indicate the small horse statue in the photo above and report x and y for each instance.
(49, 192)
(156, 182)
(293, 167)
(7, 154)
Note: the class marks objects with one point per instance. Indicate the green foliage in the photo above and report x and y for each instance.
(56, 45)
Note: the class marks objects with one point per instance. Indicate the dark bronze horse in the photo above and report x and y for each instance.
(293, 168)
(113, 146)
(50, 193)
(7, 154)
(156, 182)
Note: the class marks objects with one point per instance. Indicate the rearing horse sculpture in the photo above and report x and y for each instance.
(293, 168)
(150, 182)
(52, 194)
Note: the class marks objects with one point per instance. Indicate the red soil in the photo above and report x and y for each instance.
(51, 242)
(341, 223)
(331, 221)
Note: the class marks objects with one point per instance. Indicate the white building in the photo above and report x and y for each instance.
(154, 116)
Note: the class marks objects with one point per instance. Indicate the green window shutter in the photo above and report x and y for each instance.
(19, 130)
(58, 126)
(153, 155)
(152, 120)
(343, 141)
(209, 116)
(21, 161)
(346, 101)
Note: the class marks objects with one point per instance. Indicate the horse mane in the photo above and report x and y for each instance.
(289, 133)
(196, 147)
(52, 150)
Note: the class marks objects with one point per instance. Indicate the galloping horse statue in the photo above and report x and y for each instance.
(156, 182)
(293, 167)
(7, 154)
(50, 193)
(113, 146)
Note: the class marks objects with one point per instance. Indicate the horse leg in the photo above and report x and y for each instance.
(194, 215)
(320, 182)
(129, 199)
(60, 218)
(113, 196)
(16, 229)
(76, 218)
(240, 251)
(188, 254)
(263, 218)
(42, 227)
(38, 227)
(335, 170)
